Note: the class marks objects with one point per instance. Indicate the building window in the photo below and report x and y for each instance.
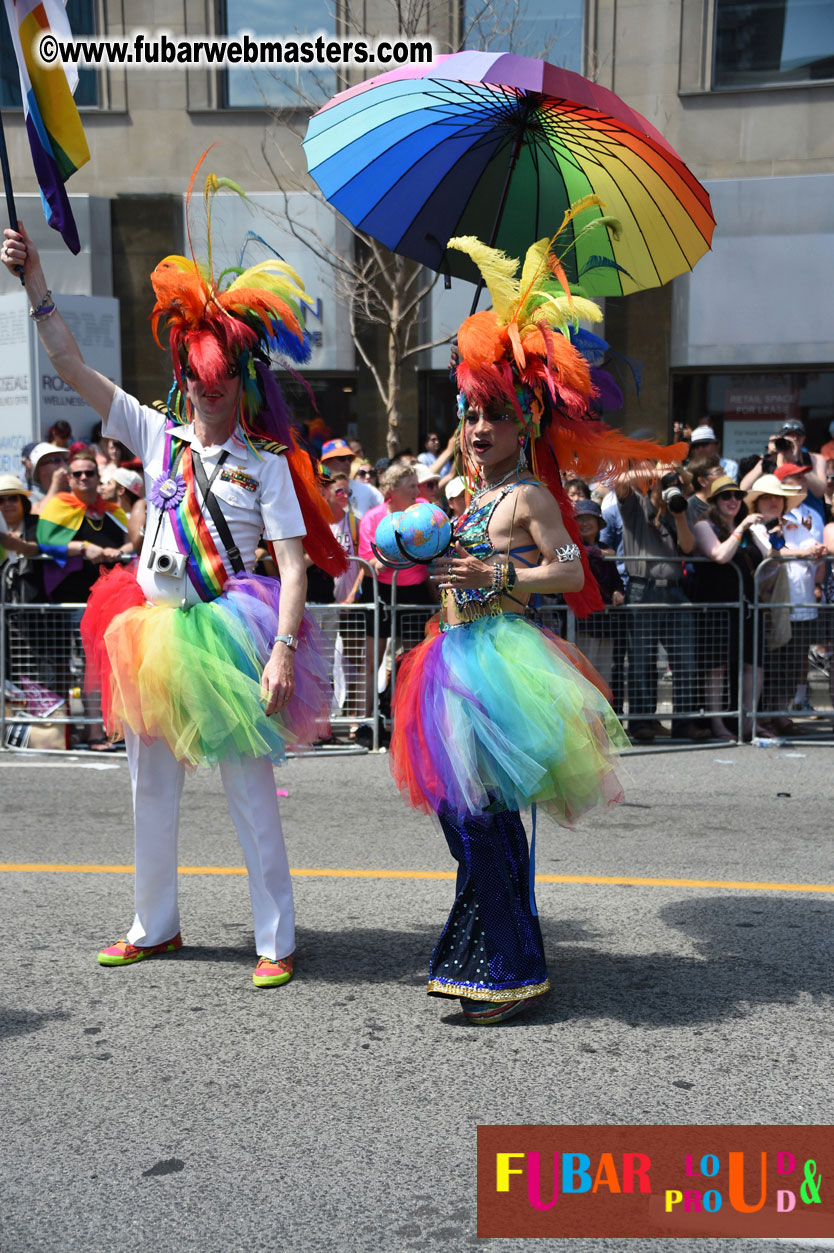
(551, 29)
(276, 88)
(772, 42)
(80, 14)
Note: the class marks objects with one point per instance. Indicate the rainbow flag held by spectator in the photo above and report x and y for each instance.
(61, 517)
(56, 136)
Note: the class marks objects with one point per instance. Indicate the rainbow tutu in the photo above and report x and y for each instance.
(500, 713)
(193, 678)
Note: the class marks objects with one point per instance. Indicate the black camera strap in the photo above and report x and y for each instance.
(210, 501)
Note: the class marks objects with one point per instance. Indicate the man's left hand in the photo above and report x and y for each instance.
(278, 679)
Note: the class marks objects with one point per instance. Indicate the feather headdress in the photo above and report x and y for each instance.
(241, 319)
(530, 354)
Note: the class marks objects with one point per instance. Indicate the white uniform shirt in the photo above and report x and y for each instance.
(802, 528)
(257, 498)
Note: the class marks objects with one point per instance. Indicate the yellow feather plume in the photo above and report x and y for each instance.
(535, 271)
(497, 270)
(579, 206)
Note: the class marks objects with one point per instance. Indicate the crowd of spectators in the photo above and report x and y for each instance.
(672, 552)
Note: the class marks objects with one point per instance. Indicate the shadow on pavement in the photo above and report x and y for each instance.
(750, 950)
(14, 1022)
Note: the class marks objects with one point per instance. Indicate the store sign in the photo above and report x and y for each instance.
(777, 402)
(32, 395)
(753, 414)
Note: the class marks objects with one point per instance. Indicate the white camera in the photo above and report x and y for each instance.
(170, 564)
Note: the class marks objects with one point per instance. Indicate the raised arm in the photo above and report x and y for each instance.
(18, 252)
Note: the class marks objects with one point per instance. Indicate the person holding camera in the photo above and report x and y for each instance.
(655, 525)
(199, 660)
(787, 447)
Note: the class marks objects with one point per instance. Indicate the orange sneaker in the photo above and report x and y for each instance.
(271, 974)
(123, 953)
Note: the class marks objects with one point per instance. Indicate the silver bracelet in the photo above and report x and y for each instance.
(570, 552)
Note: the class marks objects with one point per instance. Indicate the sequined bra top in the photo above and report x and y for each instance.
(472, 528)
(472, 532)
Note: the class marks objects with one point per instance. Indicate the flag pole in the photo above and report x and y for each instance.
(7, 184)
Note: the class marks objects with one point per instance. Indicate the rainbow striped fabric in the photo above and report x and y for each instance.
(205, 565)
(59, 521)
(56, 136)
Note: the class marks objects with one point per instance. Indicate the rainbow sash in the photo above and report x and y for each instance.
(205, 565)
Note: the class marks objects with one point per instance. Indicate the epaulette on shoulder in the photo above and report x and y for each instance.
(267, 445)
(162, 407)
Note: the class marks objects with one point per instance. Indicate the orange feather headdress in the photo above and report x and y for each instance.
(242, 319)
(529, 353)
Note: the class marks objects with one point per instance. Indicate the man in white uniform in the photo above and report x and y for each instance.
(193, 583)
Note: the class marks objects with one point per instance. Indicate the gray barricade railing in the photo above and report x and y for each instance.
(690, 655)
(795, 640)
(40, 643)
(408, 628)
(354, 660)
(42, 665)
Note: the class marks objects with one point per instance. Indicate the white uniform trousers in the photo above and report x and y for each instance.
(157, 779)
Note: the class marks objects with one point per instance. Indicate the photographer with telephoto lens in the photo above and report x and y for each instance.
(656, 525)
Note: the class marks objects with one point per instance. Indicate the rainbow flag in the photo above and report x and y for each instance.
(61, 517)
(56, 136)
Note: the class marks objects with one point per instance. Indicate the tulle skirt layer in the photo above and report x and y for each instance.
(193, 677)
(502, 713)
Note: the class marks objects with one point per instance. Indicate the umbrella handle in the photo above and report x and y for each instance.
(519, 140)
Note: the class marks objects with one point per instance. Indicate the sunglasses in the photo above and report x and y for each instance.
(83, 474)
(340, 491)
(52, 461)
(232, 372)
(363, 474)
(730, 496)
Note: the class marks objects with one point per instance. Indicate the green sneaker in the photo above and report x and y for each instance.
(271, 974)
(123, 953)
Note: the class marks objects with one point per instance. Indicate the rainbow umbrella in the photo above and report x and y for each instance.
(499, 146)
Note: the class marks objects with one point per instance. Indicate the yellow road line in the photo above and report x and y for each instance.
(742, 885)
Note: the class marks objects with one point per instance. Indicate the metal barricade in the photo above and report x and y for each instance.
(665, 657)
(353, 634)
(408, 628)
(794, 639)
(42, 665)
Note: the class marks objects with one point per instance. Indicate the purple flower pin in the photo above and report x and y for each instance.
(167, 491)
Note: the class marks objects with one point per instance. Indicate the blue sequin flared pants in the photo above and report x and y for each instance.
(491, 947)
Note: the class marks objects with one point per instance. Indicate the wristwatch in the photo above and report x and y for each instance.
(290, 641)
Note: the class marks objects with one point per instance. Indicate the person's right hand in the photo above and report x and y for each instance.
(60, 480)
(18, 252)
(94, 553)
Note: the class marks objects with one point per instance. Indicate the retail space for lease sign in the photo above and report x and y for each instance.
(753, 413)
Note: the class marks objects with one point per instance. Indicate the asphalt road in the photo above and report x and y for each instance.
(173, 1107)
